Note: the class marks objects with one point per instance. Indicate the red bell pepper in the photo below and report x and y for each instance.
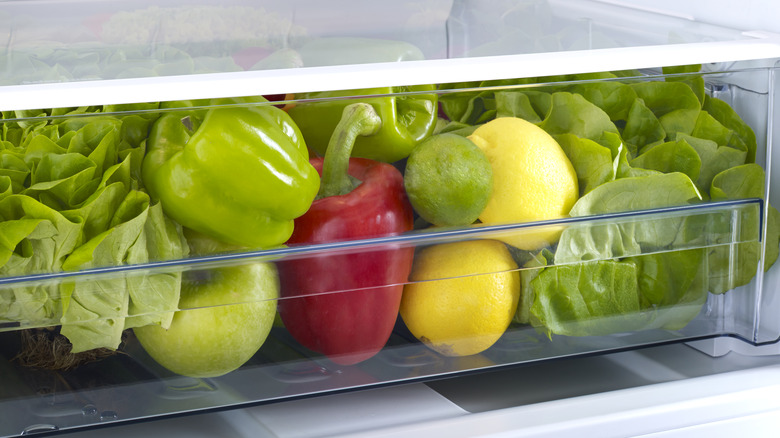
(345, 304)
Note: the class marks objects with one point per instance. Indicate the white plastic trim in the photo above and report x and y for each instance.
(118, 91)
(684, 406)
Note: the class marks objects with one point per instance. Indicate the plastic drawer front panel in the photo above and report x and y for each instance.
(118, 303)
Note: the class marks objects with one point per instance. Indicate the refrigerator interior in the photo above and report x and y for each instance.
(713, 333)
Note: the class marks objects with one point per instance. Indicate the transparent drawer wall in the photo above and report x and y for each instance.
(673, 236)
(628, 279)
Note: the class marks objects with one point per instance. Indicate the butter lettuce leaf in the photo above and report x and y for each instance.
(587, 299)
(654, 291)
(638, 145)
(70, 200)
(97, 310)
(726, 116)
(599, 241)
(685, 74)
(714, 159)
(670, 157)
(592, 162)
(734, 264)
(672, 284)
(674, 104)
(629, 194)
(573, 114)
(35, 239)
(529, 105)
(642, 128)
(614, 98)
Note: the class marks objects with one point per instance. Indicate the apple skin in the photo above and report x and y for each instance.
(226, 316)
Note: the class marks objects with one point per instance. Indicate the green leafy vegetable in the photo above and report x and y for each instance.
(642, 128)
(670, 157)
(588, 241)
(636, 145)
(70, 199)
(587, 299)
(740, 182)
(673, 103)
(725, 114)
(592, 161)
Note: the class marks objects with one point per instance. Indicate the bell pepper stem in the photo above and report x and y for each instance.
(357, 119)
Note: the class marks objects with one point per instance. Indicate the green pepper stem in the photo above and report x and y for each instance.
(357, 119)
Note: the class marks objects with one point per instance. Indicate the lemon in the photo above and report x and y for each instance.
(462, 296)
(533, 179)
(448, 180)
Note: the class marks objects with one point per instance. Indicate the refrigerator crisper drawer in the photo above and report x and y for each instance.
(164, 250)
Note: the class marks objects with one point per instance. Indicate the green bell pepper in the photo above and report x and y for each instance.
(238, 172)
(408, 117)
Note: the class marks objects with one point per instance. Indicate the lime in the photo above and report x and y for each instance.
(448, 180)
(462, 296)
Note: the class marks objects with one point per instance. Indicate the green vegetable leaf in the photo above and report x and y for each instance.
(592, 161)
(601, 241)
(674, 104)
(614, 98)
(96, 312)
(629, 194)
(530, 270)
(672, 283)
(587, 299)
(725, 114)
(59, 179)
(709, 128)
(695, 81)
(714, 159)
(94, 309)
(69, 200)
(529, 105)
(733, 264)
(670, 157)
(455, 105)
(642, 128)
(573, 114)
(155, 297)
(35, 239)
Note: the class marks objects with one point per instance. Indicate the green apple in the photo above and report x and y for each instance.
(226, 314)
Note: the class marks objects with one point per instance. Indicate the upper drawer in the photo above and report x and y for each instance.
(75, 53)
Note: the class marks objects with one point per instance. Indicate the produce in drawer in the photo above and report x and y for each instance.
(407, 119)
(345, 305)
(79, 189)
(461, 296)
(226, 314)
(238, 172)
(534, 180)
(633, 145)
(71, 199)
(448, 179)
